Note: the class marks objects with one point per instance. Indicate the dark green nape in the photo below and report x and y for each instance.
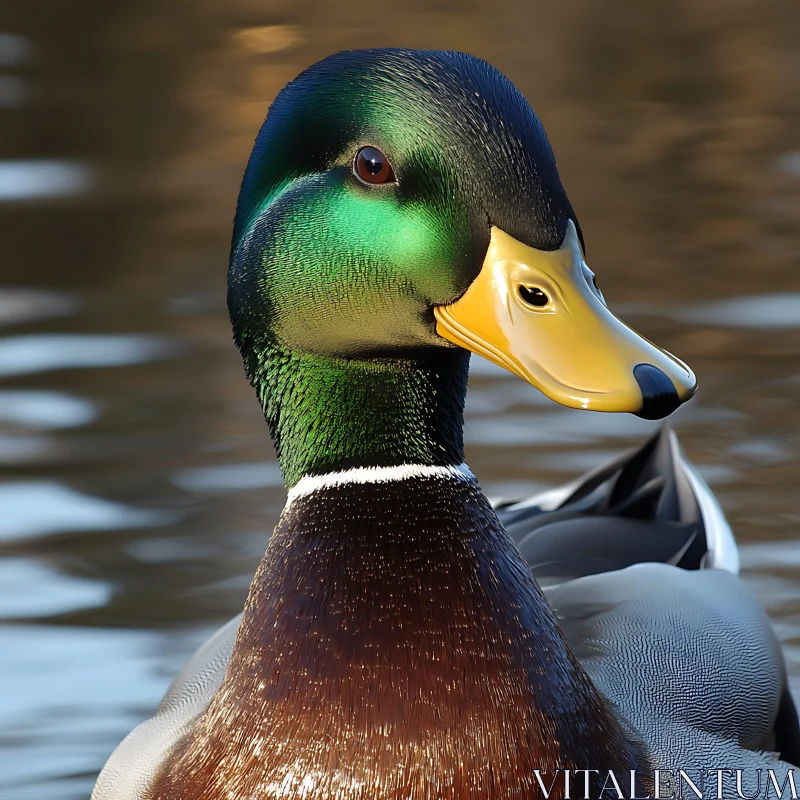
(332, 282)
(329, 414)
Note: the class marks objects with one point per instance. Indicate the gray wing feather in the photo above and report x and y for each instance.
(688, 657)
(129, 772)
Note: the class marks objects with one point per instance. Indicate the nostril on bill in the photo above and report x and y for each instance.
(659, 395)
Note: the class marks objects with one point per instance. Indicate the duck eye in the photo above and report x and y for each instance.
(533, 296)
(371, 166)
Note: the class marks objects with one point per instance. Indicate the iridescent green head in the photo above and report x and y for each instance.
(343, 258)
(324, 262)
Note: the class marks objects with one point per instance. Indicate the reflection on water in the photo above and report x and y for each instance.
(230, 477)
(54, 738)
(20, 355)
(138, 483)
(36, 508)
(29, 180)
(766, 311)
(790, 164)
(19, 305)
(15, 49)
(13, 92)
(31, 589)
(45, 409)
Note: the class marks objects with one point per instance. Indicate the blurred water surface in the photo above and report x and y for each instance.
(139, 485)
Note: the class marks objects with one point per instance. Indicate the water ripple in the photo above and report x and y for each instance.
(37, 508)
(230, 477)
(23, 355)
(764, 311)
(33, 589)
(15, 49)
(20, 304)
(39, 409)
(33, 180)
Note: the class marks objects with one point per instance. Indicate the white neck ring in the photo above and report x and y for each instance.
(311, 483)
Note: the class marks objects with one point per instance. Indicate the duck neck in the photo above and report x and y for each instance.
(328, 414)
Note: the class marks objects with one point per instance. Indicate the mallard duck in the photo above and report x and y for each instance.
(400, 210)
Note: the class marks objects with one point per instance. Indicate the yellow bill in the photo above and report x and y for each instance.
(540, 315)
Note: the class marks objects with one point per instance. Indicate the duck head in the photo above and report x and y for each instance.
(399, 202)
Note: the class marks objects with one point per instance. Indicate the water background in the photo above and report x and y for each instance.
(138, 482)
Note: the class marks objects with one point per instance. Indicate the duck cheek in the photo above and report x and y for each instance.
(447, 258)
(337, 269)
